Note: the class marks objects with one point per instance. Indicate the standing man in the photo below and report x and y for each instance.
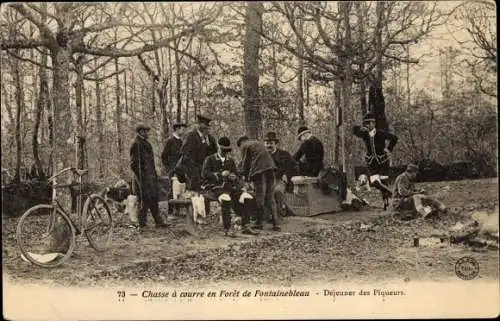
(197, 145)
(258, 166)
(220, 179)
(310, 154)
(286, 168)
(146, 179)
(169, 157)
(377, 154)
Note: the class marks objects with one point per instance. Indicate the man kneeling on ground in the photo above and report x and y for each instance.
(222, 183)
(406, 197)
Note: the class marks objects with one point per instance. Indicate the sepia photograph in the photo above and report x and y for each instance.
(249, 160)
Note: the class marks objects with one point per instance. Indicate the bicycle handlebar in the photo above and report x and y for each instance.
(73, 169)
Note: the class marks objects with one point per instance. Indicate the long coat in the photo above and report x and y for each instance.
(171, 154)
(143, 167)
(255, 159)
(376, 158)
(193, 153)
(314, 153)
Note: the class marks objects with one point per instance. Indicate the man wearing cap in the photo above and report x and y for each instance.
(221, 181)
(170, 156)
(406, 197)
(310, 154)
(286, 168)
(377, 153)
(257, 166)
(146, 179)
(197, 145)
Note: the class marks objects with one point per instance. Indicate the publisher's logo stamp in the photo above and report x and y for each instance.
(467, 268)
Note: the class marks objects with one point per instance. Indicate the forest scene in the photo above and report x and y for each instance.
(79, 77)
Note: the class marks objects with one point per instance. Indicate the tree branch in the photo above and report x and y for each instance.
(104, 77)
(44, 30)
(22, 44)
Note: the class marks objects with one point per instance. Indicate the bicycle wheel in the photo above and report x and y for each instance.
(97, 222)
(45, 236)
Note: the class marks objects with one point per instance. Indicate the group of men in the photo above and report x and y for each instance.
(195, 161)
(379, 146)
(256, 185)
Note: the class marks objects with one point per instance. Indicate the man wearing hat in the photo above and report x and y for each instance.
(377, 153)
(197, 145)
(221, 181)
(286, 168)
(169, 157)
(310, 154)
(146, 179)
(406, 197)
(257, 166)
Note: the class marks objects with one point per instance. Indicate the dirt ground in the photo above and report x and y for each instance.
(370, 245)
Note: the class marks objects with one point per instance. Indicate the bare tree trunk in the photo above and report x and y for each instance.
(186, 117)
(61, 112)
(347, 81)
(361, 39)
(41, 105)
(300, 79)
(18, 81)
(178, 85)
(118, 118)
(251, 46)
(99, 127)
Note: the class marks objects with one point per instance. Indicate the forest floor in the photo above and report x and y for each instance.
(370, 245)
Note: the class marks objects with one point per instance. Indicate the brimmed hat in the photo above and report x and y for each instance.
(412, 168)
(142, 127)
(241, 140)
(225, 143)
(302, 130)
(204, 119)
(179, 125)
(271, 137)
(368, 117)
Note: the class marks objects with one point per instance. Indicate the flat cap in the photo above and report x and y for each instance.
(142, 127)
(204, 119)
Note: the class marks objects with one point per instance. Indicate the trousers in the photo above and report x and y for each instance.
(264, 196)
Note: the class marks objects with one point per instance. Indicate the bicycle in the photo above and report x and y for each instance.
(93, 220)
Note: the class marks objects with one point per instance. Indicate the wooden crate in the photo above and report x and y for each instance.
(308, 199)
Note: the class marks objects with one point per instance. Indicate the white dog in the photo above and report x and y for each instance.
(365, 182)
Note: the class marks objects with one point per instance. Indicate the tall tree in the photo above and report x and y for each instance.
(251, 46)
(64, 35)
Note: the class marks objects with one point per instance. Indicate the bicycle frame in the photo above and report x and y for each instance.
(79, 201)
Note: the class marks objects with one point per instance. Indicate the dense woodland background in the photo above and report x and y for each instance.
(77, 77)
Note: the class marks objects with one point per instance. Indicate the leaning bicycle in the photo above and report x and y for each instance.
(46, 234)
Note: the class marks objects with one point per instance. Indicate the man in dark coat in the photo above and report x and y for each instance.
(377, 154)
(220, 179)
(169, 157)
(146, 179)
(286, 168)
(258, 166)
(197, 145)
(310, 154)
(172, 150)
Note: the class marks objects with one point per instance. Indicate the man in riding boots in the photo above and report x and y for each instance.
(197, 145)
(310, 154)
(169, 157)
(378, 154)
(286, 168)
(222, 183)
(257, 166)
(146, 179)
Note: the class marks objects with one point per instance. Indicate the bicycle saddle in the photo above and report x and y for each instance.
(81, 172)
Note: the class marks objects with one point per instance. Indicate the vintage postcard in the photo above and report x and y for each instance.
(249, 160)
